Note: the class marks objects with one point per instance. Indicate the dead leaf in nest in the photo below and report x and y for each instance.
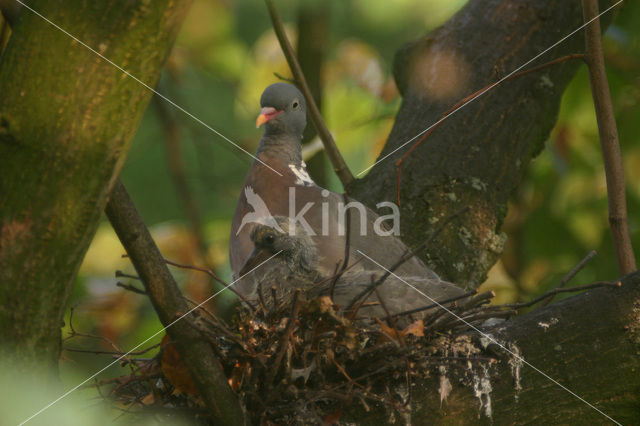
(332, 418)
(389, 332)
(149, 399)
(174, 369)
(416, 328)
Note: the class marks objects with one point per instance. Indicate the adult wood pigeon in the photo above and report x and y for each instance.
(292, 193)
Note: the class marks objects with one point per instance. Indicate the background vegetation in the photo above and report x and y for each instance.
(226, 54)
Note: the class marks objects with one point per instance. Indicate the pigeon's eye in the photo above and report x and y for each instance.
(295, 105)
(269, 239)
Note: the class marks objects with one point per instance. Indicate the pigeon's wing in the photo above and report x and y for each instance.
(399, 294)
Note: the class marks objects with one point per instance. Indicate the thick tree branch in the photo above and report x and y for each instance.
(478, 156)
(608, 140)
(588, 343)
(196, 352)
(340, 167)
(66, 119)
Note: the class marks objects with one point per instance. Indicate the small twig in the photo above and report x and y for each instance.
(444, 317)
(366, 292)
(287, 79)
(131, 288)
(477, 300)
(577, 268)
(117, 353)
(455, 107)
(485, 315)
(563, 290)
(295, 307)
(215, 277)
(609, 141)
(228, 334)
(390, 319)
(572, 273)
(73, 333)
(345, 374)
(120, 274)
(436, 305)
(339, 165)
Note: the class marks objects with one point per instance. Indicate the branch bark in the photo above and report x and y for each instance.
(66, 119)
(609, 141)
(196, 353)
(588, 343)
(478, 156)
(339, 166)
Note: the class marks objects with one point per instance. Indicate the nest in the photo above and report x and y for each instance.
(304, 361)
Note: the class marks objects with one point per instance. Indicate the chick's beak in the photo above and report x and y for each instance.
(254, 259)
(266, 114)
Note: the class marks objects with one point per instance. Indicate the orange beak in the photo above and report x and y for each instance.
(266, 114)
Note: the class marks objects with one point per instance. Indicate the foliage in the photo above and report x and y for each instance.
(225, 56)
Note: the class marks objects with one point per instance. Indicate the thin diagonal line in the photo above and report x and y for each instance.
(488, 336)
(491, 86)
(141, 343)
(128, 74)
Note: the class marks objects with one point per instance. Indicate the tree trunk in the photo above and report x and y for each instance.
(66, 120)
(478, 156)
(588, 343)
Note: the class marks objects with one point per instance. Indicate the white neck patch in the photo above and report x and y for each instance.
(302, 177)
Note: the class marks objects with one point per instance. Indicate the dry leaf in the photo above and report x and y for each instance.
(415, 328)
(174, 369)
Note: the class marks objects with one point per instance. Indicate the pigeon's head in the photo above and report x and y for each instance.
(283, 110)
(292, 244)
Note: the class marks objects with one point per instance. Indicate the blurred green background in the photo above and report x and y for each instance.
(226, 54)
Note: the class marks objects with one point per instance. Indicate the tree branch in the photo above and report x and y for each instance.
(339, 166)
(588, 343)
(56, 175)
(608, 140)
(505, 128)
(197, 354)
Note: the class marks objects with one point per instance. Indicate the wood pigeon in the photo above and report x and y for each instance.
(292, 193)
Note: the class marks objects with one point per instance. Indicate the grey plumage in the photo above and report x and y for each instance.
(297, 266)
